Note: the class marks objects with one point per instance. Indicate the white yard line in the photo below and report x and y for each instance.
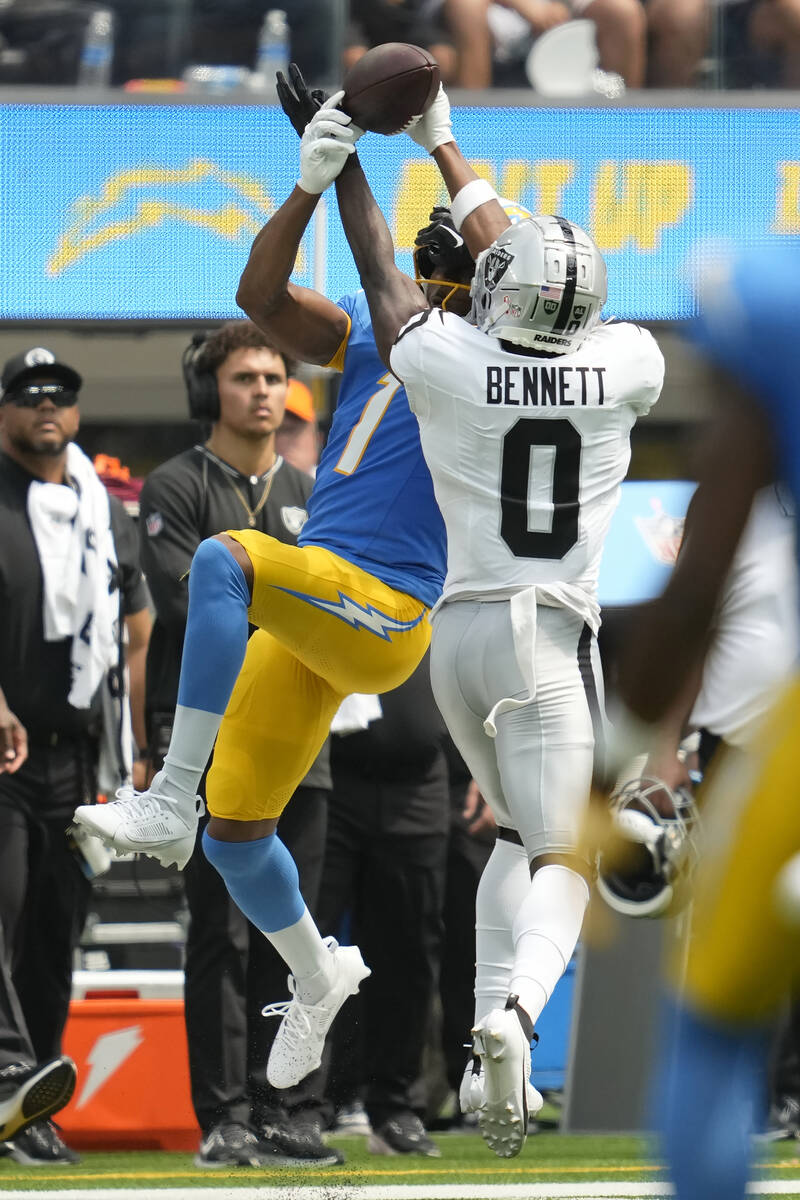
(508, 1191)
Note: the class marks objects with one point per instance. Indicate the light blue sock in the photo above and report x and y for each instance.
(710, 1093)
(216, 629)
(262, 879)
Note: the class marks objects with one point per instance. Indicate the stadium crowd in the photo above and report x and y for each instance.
(478, 43)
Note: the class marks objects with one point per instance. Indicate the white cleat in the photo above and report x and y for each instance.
(470, 1094)
(297, 1049)
(146, 823)
(509, 1096)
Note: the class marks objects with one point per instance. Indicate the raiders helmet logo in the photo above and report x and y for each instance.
(495, 267)
(579, 311)
(293, 518)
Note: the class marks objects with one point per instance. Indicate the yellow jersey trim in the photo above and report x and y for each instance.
(337, 362)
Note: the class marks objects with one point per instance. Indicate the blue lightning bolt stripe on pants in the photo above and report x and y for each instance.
(326, 628)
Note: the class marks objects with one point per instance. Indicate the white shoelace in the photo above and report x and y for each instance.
(298, 1026)
(136, 804)
(130, 803)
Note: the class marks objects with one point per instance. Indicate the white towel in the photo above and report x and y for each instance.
(72, 530)
(523, 606)
(355, 713)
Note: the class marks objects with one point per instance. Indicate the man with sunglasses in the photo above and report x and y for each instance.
(68, 572)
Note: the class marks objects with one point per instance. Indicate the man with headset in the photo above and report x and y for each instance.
(237, 385)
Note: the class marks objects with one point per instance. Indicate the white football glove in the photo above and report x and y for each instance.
(327, 142)
(434, 127)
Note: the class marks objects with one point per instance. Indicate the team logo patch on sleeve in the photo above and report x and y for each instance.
(154, 523)
(495, 267)
(293, 518)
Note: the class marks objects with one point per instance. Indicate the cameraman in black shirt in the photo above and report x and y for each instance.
(237, 386)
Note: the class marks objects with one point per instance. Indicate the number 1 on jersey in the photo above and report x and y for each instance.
(366, 425)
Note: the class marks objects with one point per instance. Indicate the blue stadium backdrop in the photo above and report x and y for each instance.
(133, 212)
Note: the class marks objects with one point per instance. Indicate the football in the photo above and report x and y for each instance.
(389, 86)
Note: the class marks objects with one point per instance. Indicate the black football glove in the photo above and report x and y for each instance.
(300, 104)
(440, 246)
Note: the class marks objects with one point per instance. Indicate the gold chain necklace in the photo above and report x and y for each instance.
(252, 513)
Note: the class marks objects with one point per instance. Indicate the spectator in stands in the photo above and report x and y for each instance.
(492, 39)
(237, 386)
(678, 35)
(68, 572)
(760, 43)
(417, 21)
(384, 870)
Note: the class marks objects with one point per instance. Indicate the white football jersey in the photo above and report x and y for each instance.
(526, 453)
(756, 638)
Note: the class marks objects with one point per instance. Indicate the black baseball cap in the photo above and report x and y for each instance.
(34, 364)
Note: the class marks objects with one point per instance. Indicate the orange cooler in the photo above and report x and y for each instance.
(133, 1075)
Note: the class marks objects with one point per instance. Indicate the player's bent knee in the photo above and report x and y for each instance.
(240, 554)
(223, 829)
(573, 862)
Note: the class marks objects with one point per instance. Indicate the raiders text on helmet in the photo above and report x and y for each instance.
(541, 284)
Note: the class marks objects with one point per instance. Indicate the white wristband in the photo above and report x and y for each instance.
(471, 196)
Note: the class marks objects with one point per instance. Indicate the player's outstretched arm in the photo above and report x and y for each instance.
(299, 320)
(393, 298)
(484, 219)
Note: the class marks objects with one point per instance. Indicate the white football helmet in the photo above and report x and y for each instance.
(647, 872)
(542, 284)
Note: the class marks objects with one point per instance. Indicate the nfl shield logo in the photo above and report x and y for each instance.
(154, 524)
(293, 518)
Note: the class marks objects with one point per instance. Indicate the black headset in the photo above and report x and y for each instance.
(201, 384)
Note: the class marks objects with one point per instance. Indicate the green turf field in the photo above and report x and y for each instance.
(552, 1166)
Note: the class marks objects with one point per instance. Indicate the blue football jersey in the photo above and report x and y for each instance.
(749, 324)
(373, 500)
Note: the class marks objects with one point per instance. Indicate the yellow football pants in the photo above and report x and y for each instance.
(745, 951)
(325, 629)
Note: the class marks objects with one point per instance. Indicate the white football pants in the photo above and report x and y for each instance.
(536, 773)
(543, 688)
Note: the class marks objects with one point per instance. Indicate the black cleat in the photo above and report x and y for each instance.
(229, 1144)
(297, 1142)
(29, 1094)
(403, 1133)
(41, 1145)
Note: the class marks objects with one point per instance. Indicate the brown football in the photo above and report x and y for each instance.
(389, 86)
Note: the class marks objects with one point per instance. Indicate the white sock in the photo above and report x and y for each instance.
(545, 932)
(503, 887)
(308, 957)
(194, 732)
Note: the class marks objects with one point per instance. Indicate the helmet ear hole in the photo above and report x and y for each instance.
(556, 277)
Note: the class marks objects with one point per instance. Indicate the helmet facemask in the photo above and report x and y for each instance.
(646, 869)
(441, 258)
